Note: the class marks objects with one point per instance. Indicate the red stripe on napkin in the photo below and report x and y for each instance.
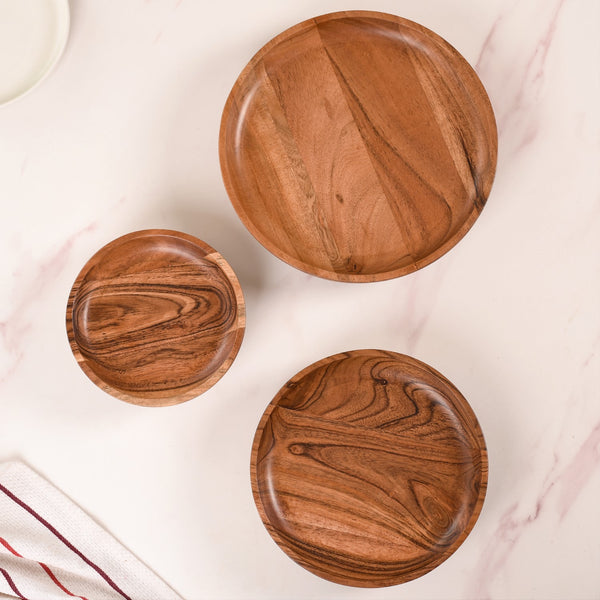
(45, 567)
(9, 547)
(66, 542)
(58, 583)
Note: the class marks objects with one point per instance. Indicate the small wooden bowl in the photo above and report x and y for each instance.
(156, 317)
(358, 146)
(369, 468)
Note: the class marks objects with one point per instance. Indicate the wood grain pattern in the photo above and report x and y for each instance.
(358, 146)
(156, 317)
(369, 468)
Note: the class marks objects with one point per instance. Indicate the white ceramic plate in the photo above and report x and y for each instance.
(33, 35)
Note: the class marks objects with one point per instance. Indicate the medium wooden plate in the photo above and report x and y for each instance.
(369, 468)
(156, 317)
(358, 146)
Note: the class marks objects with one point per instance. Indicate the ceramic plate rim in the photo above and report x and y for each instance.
(65, 26)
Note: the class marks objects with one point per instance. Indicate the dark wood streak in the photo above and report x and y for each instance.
(211, 303)
(358, 146)
(480, 198)
(369, 468)
(155, 317)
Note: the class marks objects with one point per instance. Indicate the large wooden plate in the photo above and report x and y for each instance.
(358, 146)
(369, 468)
(156, 317)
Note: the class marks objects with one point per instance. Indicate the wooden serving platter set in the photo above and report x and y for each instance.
(356, 146)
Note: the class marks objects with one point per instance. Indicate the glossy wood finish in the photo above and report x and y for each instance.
(358, 146)
(369, 468)
(156, 317)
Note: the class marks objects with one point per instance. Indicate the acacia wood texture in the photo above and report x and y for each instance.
(358, 146)
(369, 468)
(156, 317)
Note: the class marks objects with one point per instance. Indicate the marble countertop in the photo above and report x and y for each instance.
(123, 136)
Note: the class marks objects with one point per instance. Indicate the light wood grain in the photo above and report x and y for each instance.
(358, 146)
(369, 468)
(156, 317)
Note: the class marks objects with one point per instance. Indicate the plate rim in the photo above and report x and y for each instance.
(458, 396)
(238, 205)
(65, 25)
(184, 393)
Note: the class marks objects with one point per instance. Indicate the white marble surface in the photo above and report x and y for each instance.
(123, 136)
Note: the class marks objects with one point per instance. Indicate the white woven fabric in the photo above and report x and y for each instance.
(50, 549)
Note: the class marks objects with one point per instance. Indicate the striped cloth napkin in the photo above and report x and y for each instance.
(50, 549)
